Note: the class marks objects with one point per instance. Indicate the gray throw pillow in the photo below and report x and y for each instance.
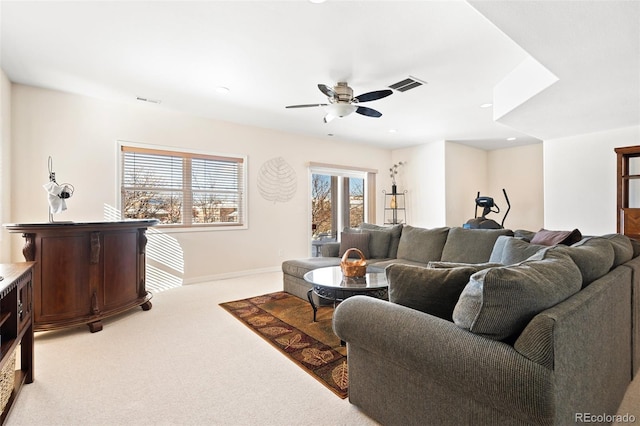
(434, 291)
(394, 230)
(354, 240)
(517, 250)
(594, 257)
(420, 244)
(378, 243)
(471, 245)
(498, 303)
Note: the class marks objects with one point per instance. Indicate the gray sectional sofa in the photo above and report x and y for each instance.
(484, 327)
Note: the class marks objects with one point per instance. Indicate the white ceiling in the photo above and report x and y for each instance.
(274, 53)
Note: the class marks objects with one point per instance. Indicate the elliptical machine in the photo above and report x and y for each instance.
(488, 206)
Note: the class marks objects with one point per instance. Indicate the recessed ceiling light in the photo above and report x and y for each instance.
(317, 1)
(393, 131)
(486, 105)
(222, 89)
(511, 139)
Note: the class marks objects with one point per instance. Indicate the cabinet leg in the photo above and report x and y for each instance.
(95, 326)
(146, 306)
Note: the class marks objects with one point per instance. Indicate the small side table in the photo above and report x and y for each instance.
(329, 283)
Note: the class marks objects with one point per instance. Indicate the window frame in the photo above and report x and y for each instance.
(184, 153)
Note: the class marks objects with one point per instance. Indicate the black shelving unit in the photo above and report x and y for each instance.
(394, 206)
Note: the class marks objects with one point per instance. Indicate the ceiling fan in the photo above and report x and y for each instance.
(342, 102)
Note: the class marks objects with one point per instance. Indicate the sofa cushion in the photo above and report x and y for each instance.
(594, 257)
(420, 244)
(477, 266)
(299, 267)
(471, 245)
(551, 238)
(354, 240)
(622, 248)
(516, 250)
(429, 290)
(499, 302)
(378, 243)
(394, 230)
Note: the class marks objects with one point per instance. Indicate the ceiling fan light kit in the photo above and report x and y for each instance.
(343, 103)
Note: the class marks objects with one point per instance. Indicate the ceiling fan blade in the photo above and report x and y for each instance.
(369, 112)
(328, 91)
(305, 106)
(372, 96)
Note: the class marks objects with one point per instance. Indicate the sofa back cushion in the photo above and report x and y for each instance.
(422, 245)
(622, 248)
(499, 302)
(594, 257)
(395, 231)
(354, 240)
(471, 245)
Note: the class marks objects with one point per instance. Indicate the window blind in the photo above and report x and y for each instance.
(182, 188)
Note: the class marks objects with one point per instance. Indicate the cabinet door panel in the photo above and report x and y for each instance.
(64, 289)
(120, 268)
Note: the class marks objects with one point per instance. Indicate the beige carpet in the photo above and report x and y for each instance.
(184, 362)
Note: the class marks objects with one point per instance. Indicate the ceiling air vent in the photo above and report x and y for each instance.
(153, 101)
(407, 84)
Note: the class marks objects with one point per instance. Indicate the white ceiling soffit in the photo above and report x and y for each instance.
(592, 47)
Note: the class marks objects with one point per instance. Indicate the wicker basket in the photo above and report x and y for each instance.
(7, 380)
(353, 268)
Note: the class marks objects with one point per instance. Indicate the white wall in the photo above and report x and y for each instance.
(519, 170)
(580, 180)
(443, 180)
(5, 164)
(466, 174)
(422, 177)
(80, 133)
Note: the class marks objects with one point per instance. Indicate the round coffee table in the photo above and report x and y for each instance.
(329, 283)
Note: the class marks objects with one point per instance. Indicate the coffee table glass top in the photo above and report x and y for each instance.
(332, 277)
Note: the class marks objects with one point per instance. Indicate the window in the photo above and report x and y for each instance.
(184, 189)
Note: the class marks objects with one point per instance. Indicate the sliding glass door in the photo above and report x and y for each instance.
(338, 201)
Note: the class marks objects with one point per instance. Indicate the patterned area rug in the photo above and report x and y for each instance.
(286, 322)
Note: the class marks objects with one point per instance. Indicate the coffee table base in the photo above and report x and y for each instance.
(338, 295)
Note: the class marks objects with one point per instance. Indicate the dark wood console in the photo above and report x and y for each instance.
(16, 332)
(85, 271)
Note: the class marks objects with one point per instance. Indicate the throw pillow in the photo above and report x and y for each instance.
(471, 245)
(394, 230)
(499, 302)
(517, 250)
(433, 291)
(378, 243)
(551, 238)
(420, 244)
(354, 240)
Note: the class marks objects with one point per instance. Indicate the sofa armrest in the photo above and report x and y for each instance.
(481, 369)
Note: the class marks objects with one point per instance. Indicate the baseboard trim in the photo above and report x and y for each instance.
(237, 274)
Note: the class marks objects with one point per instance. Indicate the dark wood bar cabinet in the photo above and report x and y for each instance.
(85, 272)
